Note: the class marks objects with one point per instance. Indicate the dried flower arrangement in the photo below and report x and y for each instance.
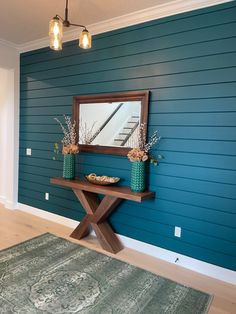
(86, 133)
(141, 153)
(69, 141)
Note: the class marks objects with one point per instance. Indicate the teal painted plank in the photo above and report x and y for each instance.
(53, 111)
(213, 105)
(42, 154)
(44, 163)
(164, 230)
(202, 131)
(191, 171)
(56, 196)
(164, 207)
(194, 251)
(42, 146)
(196, 173)
(47, 120)
(196, 186)
(166, 106)
(35, 128)
(175, 195)
(184, 184)
(172, 164)
(217, 147)
(53, 208)
(197, 119)
(59, 101)
(190, 236)
(142, 211)
(41, 171)
(165, 213)
(190, 37)
(41, 166)
(35, 182)
(182, 159)
(37, 121)
(193, 78)
(159, 225)
(38, 179)
(168, 92)
(200, 160)
(43, 137)
(181, 58)
(196, 199)
(198, 133)
(175, 145)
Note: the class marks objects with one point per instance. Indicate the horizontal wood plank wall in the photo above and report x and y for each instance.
(188, 62)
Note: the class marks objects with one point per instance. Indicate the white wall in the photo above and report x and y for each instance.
(4, 93)
(9, 124)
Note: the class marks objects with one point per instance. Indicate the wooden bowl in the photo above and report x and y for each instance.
(98, 182)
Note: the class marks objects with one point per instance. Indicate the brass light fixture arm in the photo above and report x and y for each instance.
(66, 21)
(79, 25)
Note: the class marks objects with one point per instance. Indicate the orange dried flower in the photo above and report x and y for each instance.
(136, 154)
(71, 149)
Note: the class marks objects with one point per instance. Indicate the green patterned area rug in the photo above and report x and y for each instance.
(51, 275)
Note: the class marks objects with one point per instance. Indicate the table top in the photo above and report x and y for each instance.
(123, 192)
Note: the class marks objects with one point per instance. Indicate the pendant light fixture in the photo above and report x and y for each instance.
(56, 32)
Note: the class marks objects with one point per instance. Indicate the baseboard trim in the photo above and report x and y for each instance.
(8, 204)
(204, 268)
(2, 200)
(48, 216)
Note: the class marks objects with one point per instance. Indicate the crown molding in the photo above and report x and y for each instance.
(8, 44)
(159, 11)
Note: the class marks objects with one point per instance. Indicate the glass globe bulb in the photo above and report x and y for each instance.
(85, 39)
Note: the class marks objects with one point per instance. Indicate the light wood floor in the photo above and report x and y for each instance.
(17, 226)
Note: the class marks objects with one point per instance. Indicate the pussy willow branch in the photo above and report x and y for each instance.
(69, 133)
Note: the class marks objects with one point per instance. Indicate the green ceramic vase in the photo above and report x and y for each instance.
(69, 166)
(138, 176)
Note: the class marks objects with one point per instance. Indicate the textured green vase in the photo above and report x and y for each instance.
(69, 166)
(138, 176)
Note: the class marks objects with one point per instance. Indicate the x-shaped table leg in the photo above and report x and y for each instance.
(97, 214)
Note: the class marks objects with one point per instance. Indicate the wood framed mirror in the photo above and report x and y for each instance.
(109, 123)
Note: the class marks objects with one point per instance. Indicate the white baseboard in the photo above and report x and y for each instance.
(48, 216)
(2, 199)
(204, 268)
(8, 204)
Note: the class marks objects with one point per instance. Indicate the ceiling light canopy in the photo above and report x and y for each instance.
(56, 32)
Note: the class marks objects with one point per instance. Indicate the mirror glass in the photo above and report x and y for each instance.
(109, 123)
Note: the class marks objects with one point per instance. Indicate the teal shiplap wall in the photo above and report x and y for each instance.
(188, 62)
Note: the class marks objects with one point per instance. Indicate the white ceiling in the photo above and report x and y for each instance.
(23, 21)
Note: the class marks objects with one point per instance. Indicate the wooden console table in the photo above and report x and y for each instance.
(98, 211)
